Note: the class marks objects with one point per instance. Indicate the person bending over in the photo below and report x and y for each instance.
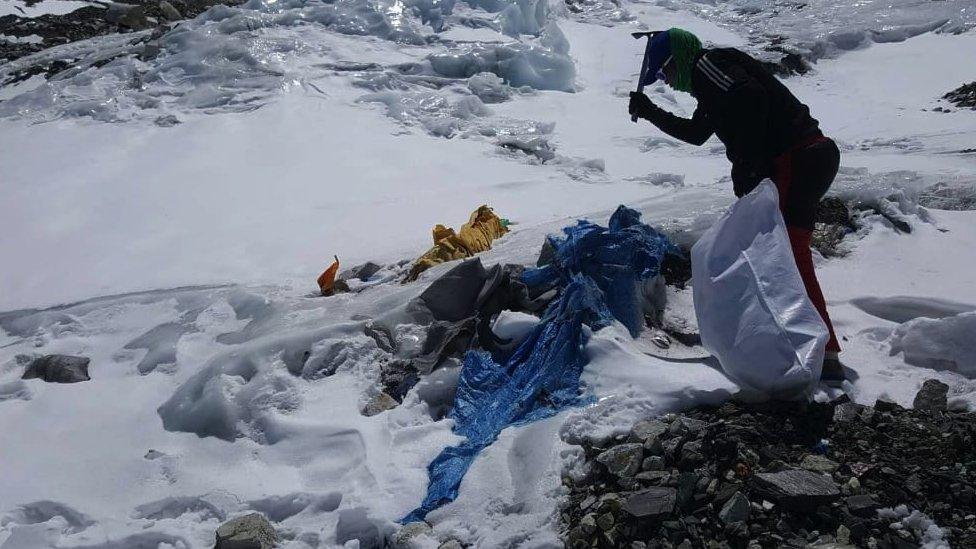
(767, 132)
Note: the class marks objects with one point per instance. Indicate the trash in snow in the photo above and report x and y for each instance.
(753, 311)
(599, 270)
(473, 237)
(326, 280)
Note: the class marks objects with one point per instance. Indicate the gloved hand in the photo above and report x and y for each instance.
(744, 179)
(640, 105)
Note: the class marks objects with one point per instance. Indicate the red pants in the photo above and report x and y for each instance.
(802, 176)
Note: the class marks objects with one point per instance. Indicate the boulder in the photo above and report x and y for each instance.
(379, 403)
(863, 505)
(126, 15)
(623, 460)
(648, 429)
(796, 488)
(361, 272)
(58, 369)
(932, 397)
(251, 531)
(736, 509)
(169, 11)
(653, 503)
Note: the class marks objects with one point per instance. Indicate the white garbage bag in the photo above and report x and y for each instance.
(753, 311)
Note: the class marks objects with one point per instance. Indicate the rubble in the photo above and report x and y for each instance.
(780, 475)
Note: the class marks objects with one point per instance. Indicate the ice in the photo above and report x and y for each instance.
(43, 511)
(826, 28)
(280, 508)
(517, 64)
(931, 536)
(54, 7)
(489, 88)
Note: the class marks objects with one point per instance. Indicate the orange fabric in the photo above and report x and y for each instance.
(327, 278)
(474, 236)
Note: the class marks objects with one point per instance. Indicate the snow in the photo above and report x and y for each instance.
(53, 7)
(204, 189)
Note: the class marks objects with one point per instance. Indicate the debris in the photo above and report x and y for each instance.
(736, 509)
(474, 236)
(623, 460)
(932, 397)
(58, 369)
(652, 503)
(327, 279)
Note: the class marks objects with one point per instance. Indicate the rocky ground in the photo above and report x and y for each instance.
(963, 97)
(836, 475)
(97, 20)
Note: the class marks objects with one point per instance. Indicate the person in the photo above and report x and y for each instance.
(767, 132)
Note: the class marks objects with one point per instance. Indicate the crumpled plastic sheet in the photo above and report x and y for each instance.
(595, 265)
(616, 258)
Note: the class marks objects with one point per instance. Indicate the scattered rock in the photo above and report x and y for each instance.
(819, 464)
(963, 97)
(863, 505)
(58, 369)
(379, 403)
(796, 488)
(623, 460)
(409, 536)
(736, 509)
(127, 15)
(169, 12)
(251, 531)
(361, 272)
(166, 121)
(652, 503)
(932, 397)
(649, 429)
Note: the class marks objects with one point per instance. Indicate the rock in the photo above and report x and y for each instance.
(361, 272)
(126, 15)
(451, 544)
(605, 521)
(684, 425)
(652, 476)
(736, 509)
(378, 404)
(818, 464)
(169, 11)
(251, 531)
(862, 505)
(354, 524)
(653, 463)
(653, 503)
(796, 488)
(882, 405)
(166, 121)
(932, 397)
(623, 460)
(58, 369)
(847, 412)
(648, 429)
(407, 537)
(588, 523)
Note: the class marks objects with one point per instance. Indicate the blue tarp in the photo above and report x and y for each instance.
(598, 269)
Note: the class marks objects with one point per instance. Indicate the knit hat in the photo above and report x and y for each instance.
(675, 43)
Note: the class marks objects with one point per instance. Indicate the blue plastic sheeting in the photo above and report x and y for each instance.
(616, 258)
(597, 267)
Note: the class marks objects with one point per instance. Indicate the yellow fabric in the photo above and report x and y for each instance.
(473, 237)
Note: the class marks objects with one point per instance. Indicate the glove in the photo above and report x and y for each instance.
(640, 105)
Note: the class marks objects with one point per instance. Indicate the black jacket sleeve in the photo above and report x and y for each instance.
(696, 131)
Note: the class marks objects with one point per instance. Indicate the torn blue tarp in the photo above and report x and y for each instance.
(594, 266)
(617, 258)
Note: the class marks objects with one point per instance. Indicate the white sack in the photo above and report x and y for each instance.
(752, 309)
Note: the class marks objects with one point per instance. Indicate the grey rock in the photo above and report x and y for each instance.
(251, 531)
(653, 463)
(649, 429)
(685, 425)
(126, 15)
(796, 488)
(652, 503)
(652, 476)
(58, 369)
(166, 121)
(736, 509)
(379, 403)
(588, 523)
(354, 524)
(623, 460)
(451, 544)
(863, 505)
(847, 412)
(169, 11)
(819, 464)
(362, 272)
(605, 521)
(932, 397)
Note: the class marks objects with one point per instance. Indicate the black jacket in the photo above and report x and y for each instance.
(753, 113)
